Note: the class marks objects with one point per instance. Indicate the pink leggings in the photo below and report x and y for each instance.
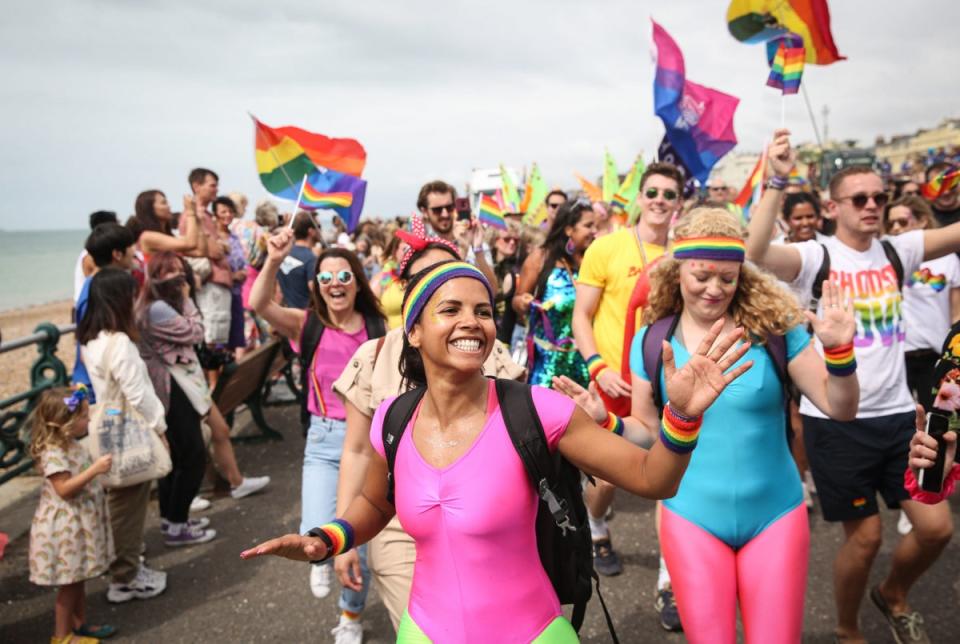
(768, 576)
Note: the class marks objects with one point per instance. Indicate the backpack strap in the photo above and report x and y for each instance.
(652, 347)
(894, 258)
(309, 341)
(776, 347)
(823, 274)
(375, 326)
(395, 422)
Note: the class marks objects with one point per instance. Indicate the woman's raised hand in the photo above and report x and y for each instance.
(289, 546)
(279, 245)
(837, 325)
(780, 156)
(692, 389)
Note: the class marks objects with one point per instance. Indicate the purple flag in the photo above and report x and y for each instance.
(698, 120)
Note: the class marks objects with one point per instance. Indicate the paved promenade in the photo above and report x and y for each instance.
(214, 596)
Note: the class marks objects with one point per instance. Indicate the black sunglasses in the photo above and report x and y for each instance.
(668, 194)
(860, 199)
(555, 204)
(436, 210)
(325, 278)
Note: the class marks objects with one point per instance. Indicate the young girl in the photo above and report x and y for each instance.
(70, 538)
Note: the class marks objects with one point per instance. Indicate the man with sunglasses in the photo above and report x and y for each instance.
(854, 461)
(555, 199)
(612, 280)
(299, 267)
(437, 205)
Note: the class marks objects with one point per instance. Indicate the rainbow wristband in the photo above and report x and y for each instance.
(338, 535)
(613, 423)
(841, 360)
(595, 365)
(679, 433)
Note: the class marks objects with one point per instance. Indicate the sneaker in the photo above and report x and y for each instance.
(666, 607)
(605, 559)
(348, 631)
(188, 536)
(250, 485)
(199, 504)
(157, 576)
(903, 525)
(142, 587)
(321, 578)
(199, 524)
(907, 628)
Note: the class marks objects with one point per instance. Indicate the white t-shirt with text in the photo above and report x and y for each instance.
(926, 302)
(870, 281)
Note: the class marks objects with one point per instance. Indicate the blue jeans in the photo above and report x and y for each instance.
(318, 496)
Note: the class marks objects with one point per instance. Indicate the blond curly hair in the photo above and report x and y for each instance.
(50, 421)
(760, 304)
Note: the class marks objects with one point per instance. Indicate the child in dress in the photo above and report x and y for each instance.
(70, 538)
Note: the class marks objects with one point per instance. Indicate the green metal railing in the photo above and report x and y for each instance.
(47, 371)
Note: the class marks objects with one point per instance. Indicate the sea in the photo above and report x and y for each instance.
(36, 267)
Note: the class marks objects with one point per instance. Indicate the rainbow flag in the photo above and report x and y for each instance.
(490, 213)
(942, 183)
(757, 21)
(341, 193)
(752, 189)
(786, 69)
(343, 155)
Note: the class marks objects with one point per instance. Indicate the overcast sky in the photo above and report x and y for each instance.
(102, 99)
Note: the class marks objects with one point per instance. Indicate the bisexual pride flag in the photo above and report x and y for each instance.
(698, 119)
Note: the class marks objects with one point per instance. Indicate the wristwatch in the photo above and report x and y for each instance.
(323, 536)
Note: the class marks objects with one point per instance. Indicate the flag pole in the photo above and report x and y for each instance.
(297, 207)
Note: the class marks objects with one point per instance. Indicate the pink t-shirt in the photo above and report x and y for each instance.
(478, 576)
(334, 351)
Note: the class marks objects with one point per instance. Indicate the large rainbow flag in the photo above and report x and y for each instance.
(757, 21)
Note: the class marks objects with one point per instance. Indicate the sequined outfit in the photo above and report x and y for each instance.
(551, 327)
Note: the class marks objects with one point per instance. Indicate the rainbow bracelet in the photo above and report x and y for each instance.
(841, 360)
(595, 365)
(338, 535)
(613, 423)
(679, 433)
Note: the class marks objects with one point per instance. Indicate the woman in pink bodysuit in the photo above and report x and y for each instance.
(461, 490)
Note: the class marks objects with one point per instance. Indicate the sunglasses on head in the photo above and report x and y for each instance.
(860, 199)
(668, 194)
(911, 193)
(510, 239)
(436, 210)
(325, 278)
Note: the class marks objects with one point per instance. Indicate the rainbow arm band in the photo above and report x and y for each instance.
(595, 365)
(841, 360)
(613, 423)
(338, 535)
(679, 433)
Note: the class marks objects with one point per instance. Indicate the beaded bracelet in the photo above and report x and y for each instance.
(613, 423)
(338, 535)
(841, 360)
(679, 433)
(777, 183)
(595, 365)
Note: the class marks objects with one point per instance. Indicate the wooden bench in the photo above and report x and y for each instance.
(245, 382)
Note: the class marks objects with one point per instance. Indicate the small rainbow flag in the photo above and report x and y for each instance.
(619, 201)
(942, 183)
(753, 188)
(342, 193)
(786, 68)
(490, 213)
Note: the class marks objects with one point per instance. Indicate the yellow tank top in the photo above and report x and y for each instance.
(392, 300)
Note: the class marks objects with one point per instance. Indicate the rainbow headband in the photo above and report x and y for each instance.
(439, 275)
(719, 249)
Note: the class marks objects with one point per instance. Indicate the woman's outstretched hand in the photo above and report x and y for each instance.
(692, 389)
(587, 399)
(837, 324)
(290, 546)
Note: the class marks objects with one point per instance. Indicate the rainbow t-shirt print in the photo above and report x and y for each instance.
(877, 303)
(924, 276)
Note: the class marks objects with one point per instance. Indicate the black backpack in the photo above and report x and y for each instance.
(312, 332)
(563, 536)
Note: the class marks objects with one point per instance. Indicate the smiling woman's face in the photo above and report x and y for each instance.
(339, 297)
(708, 286)
(456, 328)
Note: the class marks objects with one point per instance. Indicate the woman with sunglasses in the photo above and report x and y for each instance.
(931, 298)
(546, 293)
(461, 489)
(506, 261)
(345, 313)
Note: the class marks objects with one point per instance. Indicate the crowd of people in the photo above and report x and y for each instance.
(731, 370)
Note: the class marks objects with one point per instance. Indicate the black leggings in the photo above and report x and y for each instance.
(920, 375)
(177, 489)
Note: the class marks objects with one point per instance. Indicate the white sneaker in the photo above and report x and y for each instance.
(199, 504)
(321, 578)
(250, 485)
(348, 631)
(143, 586)
(157, 576)
(903, 525)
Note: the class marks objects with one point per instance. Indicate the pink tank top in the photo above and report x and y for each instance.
(478, 576)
